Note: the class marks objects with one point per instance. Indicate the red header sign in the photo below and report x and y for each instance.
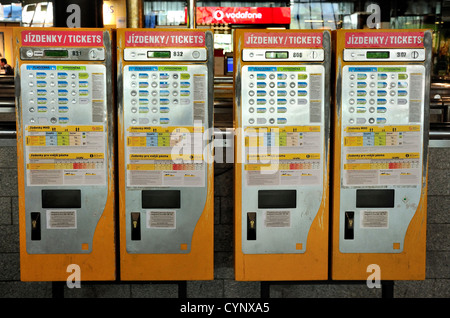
(243, 15)
(164, 39)
(384, 39)
(284, 39)
(62, 38)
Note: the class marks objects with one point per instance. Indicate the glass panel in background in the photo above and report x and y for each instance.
(11, 12)
(320, 14)
(164, 13)
(39, 14)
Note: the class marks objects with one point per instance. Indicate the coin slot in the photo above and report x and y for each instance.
(349, 225)
(135, 226)
(35, 226)
(251, 226)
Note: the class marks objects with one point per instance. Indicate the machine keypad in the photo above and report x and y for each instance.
(377, 95)
(160, 95)
(58, 94)
(280, 93)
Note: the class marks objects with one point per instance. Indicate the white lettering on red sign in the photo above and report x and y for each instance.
(219, 15)
(165, 39)
(62, 38)
(283, 39)
(243, 15)
(387, 39)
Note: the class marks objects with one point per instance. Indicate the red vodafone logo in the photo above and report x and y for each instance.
(243, 15)
(218, 15)
(237, 15)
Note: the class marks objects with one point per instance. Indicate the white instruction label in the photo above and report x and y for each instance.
(277, 218)
(161, 219)
(374, 219)
(61, 219)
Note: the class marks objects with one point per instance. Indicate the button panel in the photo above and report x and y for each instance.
(63, 94)
(165, 113)
(165, 95)
(382, 94)
(282, 95)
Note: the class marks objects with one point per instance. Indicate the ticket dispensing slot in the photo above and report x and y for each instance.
(281, 171)
(380, 153)
(65, 151)
(165, 83)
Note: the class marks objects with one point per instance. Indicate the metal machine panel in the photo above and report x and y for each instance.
(381, 151)
(282, 131)
(65, 153)
(165, 116)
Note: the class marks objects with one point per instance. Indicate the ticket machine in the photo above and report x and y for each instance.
(281, 115)
(380, 153)
(165, 89)
(65, 153)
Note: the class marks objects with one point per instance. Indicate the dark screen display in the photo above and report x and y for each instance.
(378, 55)
(378, 198)
(61, 199)
(275, 199)
(161, 199)
(56, 53)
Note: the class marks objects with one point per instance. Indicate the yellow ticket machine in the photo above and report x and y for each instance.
(380, 154)
(65, 152)
(281, 119)
(165, 103)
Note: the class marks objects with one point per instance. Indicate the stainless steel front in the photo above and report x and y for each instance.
(165, 96)
(87, 103)
(397, 115)
(303, 104)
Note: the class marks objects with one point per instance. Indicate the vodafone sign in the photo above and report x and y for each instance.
(243, 15)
